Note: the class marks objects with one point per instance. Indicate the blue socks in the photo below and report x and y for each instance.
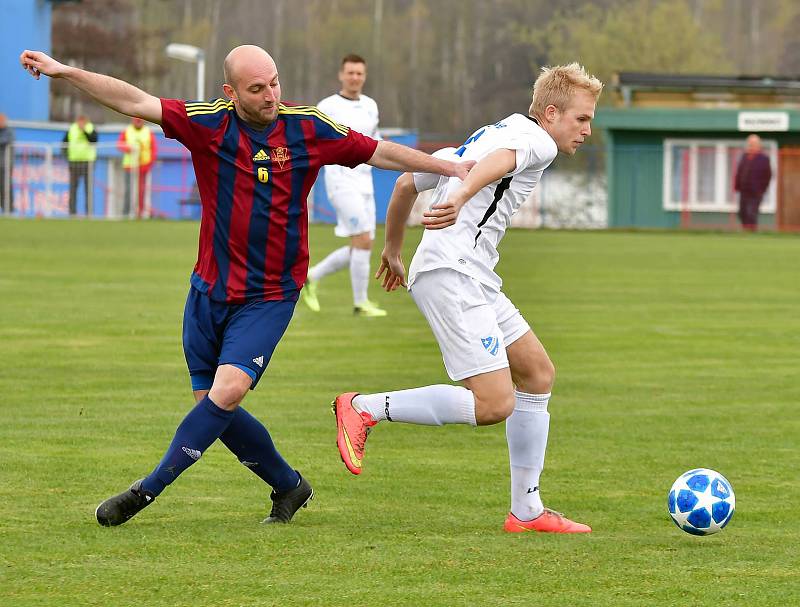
(198, 430)
(248, 439)
(242, 433)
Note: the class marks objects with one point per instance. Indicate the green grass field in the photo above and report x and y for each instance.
(673, 351)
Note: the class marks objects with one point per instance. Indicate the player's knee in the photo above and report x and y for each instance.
(545, 376)
(494, 410)
(229, 390)
(361, 241)
(537, 378)
(405, 184)
(227, 397)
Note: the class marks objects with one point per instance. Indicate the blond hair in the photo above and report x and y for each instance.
(558, 84)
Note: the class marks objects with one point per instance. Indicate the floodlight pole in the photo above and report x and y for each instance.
(201, 76)
(192, 54)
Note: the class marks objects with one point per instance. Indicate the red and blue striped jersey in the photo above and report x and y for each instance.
(253, 188)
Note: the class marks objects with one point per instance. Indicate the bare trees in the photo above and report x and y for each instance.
(436, 65)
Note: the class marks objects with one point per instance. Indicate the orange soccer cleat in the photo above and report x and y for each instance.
(352, 429)
(548, 521)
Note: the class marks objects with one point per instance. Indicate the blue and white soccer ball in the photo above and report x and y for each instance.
(701, 501)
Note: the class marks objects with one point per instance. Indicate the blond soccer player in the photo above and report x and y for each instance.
(485, 342)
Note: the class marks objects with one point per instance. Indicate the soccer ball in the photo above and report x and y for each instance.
(701, 501)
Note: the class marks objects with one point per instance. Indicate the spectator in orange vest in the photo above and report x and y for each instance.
(138, 146)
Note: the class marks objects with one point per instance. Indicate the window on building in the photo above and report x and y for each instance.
(699, 174)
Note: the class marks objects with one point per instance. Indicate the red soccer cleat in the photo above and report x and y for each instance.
(548, 521)
(352, 429)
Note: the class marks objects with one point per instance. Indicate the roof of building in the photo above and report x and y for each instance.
(697, 119)
(693, 82)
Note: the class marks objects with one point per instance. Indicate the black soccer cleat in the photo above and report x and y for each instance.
(118, 509)
(285, 504)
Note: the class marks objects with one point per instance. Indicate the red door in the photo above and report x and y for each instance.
(788, 218)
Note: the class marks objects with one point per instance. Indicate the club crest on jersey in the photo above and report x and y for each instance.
(491, 343)
(261, 156)
(280, 155)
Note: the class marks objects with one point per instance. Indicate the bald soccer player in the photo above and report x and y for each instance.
(255, 160)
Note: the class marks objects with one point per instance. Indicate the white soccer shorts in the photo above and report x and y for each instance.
(355, 212)
(472, 324)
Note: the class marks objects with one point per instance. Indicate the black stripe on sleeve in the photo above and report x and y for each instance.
(504, 184)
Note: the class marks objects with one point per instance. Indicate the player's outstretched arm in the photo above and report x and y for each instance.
(400, 205)
(492, 167)
(110, 92)
(396, 157)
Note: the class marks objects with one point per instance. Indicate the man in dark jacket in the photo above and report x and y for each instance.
(752, 180)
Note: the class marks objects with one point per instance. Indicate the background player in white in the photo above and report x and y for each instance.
(485, 342)
(350, 192)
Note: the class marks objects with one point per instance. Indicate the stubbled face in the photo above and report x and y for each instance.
(353, 76)
(256, 92)
(571, 127)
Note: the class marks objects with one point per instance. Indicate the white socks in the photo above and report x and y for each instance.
(358, 259)
(332, 263)
(428, 406)
(526, 430)
(359, 274)
(526, 433)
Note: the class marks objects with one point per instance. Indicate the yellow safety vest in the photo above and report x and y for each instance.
(141, 138)
(79, 148)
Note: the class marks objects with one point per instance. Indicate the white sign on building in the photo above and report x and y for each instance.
(763, 121)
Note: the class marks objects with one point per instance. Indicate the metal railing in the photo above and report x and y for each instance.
(39, 181)
(575, 192)
(43, 183)
(571, 194)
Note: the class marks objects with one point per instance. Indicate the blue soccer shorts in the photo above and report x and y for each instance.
(246, 335)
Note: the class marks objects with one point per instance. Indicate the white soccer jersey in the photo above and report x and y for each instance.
(360, 115)
(470, 246)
